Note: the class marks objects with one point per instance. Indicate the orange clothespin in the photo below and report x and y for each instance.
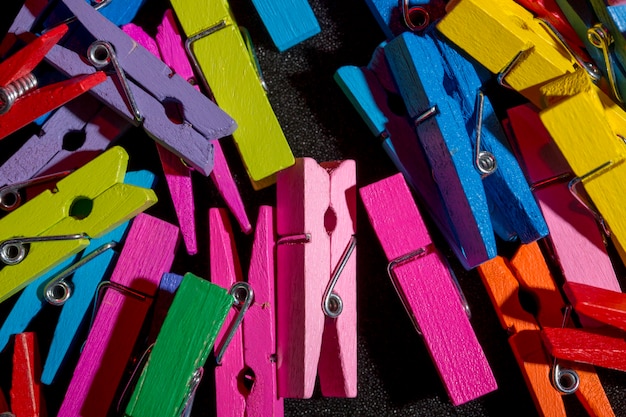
(21, 101)
(602, 346)
(546, 378)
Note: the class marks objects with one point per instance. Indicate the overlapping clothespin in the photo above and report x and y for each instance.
(168, 46)
(578, 114)
(482, 187)
(245, 376)
(26, 394)
(72, 286)
(576, 241)
(22, 100)
(169, 109)
(521, 50)
(424, 283)
(547, 379)
(316, 283)
(53, 226)
(147, 254)
(184, 343)
(213, 36)
(600, 346)
(395, 17)
(287, 22)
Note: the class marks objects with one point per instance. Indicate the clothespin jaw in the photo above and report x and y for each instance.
(212, 34)
(510, 43)
(181, 349)
(427, 296)
(246, 343)
(17, 80)
(88, 203)
(315, 225)
(147, 254)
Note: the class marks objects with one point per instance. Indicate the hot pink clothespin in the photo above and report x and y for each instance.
(147, 254)
(423, 281)
(316, 286)
(245, 376)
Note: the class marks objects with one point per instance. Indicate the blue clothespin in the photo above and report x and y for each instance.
(397, 16)
(83, 287)
(288, 22)
(483, 188)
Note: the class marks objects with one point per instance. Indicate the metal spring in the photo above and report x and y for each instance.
(15, 90)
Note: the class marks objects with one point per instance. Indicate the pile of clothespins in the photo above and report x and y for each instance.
(137, 331)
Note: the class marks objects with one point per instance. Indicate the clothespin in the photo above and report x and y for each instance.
(70, 138)
(575, 237)
(316, 225)
(245, 376)
(165, 296)
(395, 17)
(181, 350)
(482, 187)
(168, 46)
(72, 286)
(546, 378)
(22, 100)
(371, 90)
(427, 296)
(578, 113)
(152, 94)
(213, 36)
(147, 254)
(26, 394)
(288, 23)
(601, 346)
(54, 226)
(523, 51)
(23, 22)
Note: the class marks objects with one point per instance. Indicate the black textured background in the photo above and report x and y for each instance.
(396, 375)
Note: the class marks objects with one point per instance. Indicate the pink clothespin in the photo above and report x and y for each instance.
(316, 285)
(245, 376)
(575, 238)
(147, 254)
(423, 281)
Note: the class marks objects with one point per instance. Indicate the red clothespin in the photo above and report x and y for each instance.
(423, 281)
(245, 376)
(316, 284)
(21, 103)
(546, 379)
(602, 346)
(26, 396)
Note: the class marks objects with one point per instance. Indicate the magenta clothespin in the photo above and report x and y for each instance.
(147, 254)
(425, 285)
(245, 376)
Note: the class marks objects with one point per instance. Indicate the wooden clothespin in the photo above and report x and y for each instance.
(165, 296)
(213, 35)
(22, 101)
(181, 350)
(600, 346)
(546, 379)
(151, 95)
(72, 286)
(316, 284)
(395, 17)
(26, 395)
(86, 204)
(523, 51)
(168, 46)
(424, 282)
(147, 254)
(575, 237)
(482, 186)
(579, 113)
(287, 22)
(245, 376)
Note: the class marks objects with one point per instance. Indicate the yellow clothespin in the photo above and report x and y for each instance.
(589, 129)
(57, 224)
(509, 41)
(217, 49)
